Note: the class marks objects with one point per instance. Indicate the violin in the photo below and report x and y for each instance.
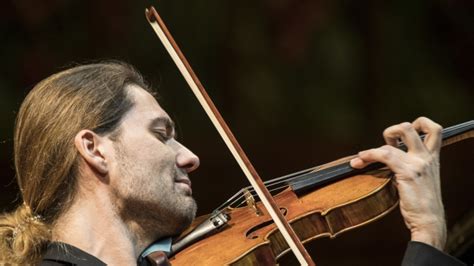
(323, 201)
(262, 222)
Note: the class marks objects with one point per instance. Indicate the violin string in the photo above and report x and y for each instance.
(270, 183)
(270, 190)
(284, 179)
(240, 200)
(467, 124)
(231, 201)
(284, 184)
(239, 196)
(287, 179)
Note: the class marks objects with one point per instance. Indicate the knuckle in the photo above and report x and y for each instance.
(437, 128)
(422, 166)
(405, 126)
(429, 124)
(386, 152)
(386, 147)
(422, 118)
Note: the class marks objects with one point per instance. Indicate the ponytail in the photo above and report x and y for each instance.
(84, 97)
(23, 236)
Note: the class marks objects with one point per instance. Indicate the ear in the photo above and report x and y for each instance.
(91, 147)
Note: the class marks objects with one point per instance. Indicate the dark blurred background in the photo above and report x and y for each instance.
(301, 83)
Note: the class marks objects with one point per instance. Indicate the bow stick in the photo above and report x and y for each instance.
(288, 233)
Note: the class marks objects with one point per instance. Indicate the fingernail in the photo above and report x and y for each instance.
(355, 161)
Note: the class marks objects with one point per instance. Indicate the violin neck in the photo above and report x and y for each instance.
(458, 133)
(309, 181)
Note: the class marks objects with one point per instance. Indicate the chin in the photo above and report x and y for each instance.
(187, 216)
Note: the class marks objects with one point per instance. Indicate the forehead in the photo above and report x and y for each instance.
(145, 107)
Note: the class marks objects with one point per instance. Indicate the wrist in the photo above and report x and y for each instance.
(434, 235)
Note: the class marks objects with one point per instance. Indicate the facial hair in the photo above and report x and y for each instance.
(150, 201)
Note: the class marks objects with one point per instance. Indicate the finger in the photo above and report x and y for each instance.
(358, 163)
(390, 140)
(392, 157)
(407, 133)
(433, 133)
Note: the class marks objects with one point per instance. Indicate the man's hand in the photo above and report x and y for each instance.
(416, 177)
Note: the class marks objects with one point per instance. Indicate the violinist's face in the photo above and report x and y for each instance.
(149, 177)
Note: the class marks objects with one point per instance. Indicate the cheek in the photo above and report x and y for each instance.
(145, 161)
(149, 150)
(160, 156)
(157, 163)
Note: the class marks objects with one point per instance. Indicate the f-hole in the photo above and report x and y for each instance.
(252, 233)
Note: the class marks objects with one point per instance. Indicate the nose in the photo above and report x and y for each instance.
(186, 159)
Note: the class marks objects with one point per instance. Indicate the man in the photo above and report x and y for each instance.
(102, 176)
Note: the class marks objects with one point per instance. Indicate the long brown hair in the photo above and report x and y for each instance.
(46, 162)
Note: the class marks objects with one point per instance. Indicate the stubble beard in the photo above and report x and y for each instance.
(151, 219)
(153, 211)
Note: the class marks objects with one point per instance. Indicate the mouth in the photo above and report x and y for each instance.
(185, 184)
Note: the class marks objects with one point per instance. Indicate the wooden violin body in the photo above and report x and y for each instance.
(331, 199)
(348, 201)
(325, 212)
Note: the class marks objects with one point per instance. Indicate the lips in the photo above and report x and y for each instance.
(184, 180)
(185, 183)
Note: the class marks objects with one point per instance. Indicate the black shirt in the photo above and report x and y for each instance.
(421, 254)
(417, 254)
(64, 254)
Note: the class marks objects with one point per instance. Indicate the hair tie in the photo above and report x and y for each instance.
(30, 219)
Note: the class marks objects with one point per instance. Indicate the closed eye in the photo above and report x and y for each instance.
(162, 134)
(162, 128)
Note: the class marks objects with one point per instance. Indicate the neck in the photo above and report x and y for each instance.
(92, 224)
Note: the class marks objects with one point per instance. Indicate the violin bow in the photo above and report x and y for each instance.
(224, 131)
